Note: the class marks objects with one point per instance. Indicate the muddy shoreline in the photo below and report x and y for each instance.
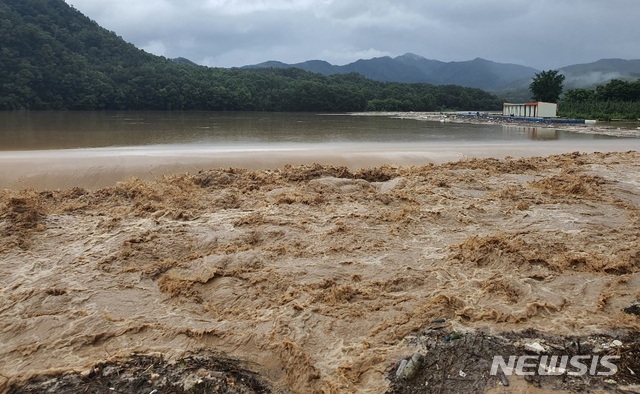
(319, 278)
(628, 129)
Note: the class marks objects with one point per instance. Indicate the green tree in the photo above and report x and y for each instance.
(547, 86)
(578, 95)
(619, 91)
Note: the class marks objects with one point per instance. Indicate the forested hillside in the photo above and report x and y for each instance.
(53, 57)
(614, 100)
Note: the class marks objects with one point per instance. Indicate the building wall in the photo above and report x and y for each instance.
(519, 110)
(513, 109)
(548, 110)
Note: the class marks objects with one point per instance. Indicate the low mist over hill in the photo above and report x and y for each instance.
(478, 73)
(411, 68)
(600, 72)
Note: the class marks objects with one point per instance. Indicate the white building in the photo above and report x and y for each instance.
(538, 109)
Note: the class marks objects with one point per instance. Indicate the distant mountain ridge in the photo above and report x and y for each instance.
(412, 68)
(477, 73)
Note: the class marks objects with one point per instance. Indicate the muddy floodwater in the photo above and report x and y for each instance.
(76, 130)
(259, 271)
(97, 149)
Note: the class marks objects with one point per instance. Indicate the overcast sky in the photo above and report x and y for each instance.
(225, 33)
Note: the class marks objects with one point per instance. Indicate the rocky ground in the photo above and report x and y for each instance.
(145, 374)
(463, 365)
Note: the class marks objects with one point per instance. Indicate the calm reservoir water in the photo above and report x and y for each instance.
(21, 131)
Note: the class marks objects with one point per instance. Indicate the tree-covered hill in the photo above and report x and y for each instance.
(616, 99)
(53, 57)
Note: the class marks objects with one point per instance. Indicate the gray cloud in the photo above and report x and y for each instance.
(542, 34)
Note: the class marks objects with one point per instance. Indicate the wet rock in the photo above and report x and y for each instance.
(110, 370)
(633, 310)
(633, 388)
(190, 381)
(400, 369)
(534, 347)
(412, 366)
(409, 367)
(503, 378)
(88, 373)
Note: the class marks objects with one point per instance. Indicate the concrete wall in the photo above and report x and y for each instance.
(547, 110)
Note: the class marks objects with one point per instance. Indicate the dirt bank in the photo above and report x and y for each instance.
(625, 129)
(316, 277)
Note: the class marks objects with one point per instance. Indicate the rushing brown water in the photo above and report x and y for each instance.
(317, 277)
